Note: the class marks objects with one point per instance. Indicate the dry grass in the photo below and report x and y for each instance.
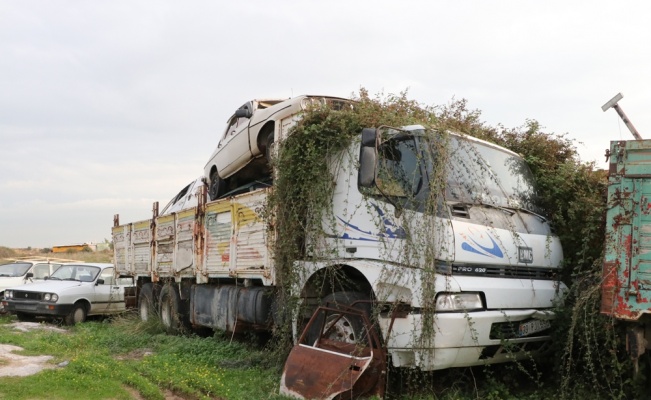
(104, 256)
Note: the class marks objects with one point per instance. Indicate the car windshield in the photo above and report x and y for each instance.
(14, 269)
(82, 273)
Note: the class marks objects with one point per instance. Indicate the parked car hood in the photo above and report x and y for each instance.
(50, 286)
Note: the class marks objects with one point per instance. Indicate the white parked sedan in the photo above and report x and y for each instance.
(72, 292)
(249, 135)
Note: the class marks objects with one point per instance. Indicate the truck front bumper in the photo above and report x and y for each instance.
(465, 339)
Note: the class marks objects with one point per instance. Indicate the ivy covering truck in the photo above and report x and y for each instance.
(429, 249)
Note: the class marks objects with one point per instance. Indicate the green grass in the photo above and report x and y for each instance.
(111, 360)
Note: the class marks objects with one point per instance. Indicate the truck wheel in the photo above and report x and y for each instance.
(171, 311)
(347, 329)
(22, 317)
(146, 302)
(215, 185)
(77, 315)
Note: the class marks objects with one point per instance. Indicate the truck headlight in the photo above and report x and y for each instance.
(9, 294)
(458, 302)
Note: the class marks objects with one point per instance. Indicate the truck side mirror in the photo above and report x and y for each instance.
(29, 275)
(100, 281)
(367, 158)
(243, 113)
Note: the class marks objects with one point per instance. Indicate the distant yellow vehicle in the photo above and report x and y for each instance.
(70, 248)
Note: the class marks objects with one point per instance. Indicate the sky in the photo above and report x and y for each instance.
(108, 106)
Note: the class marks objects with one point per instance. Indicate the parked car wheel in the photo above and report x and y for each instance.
(215, 185)
(76, 316)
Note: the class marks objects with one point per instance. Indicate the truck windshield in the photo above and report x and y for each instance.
(481, 173)
(469, 171)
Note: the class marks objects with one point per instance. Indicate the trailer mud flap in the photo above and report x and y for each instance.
(330, 368)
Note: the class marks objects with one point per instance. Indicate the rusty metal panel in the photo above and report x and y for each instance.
(219, 231)
(164, 234)
(251, 246)
(626, 285)
(121, 245)
(141, 242)
(184, 236)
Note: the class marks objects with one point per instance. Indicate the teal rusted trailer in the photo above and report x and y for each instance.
(626, 285)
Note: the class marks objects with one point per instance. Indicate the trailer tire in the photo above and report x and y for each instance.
(146, 302)
(349, 330)
(172, 310)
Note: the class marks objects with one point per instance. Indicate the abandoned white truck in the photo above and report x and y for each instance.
(473, 274)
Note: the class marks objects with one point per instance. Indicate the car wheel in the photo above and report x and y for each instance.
(22, 317)
(171, 309)
(347, 329)
(77, 315)
(215, 186)
(268, 146)
(146, 302)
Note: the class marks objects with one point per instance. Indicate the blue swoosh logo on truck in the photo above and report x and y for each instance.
(494, 251)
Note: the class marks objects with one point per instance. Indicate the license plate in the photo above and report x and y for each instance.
(533, 326)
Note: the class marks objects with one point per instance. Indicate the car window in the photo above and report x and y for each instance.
(84, 273)
(108, 275)
(41, 271)
(14, 269)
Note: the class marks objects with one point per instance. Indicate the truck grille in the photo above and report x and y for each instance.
(500, 271)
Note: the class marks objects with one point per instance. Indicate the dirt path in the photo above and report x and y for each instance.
(12, 364)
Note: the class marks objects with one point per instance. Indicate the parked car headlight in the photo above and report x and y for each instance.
(9, 294)
(50, 297)
(458, 302)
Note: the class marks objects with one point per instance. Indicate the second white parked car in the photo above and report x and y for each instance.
(72, 292)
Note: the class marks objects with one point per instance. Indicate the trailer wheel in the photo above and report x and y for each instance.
(77, 315)
(146, 302)
(347, 328)
(171, 309)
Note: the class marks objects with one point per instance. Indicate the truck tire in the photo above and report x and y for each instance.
(76, 316)
(172, 310)
(346, 329)
(146, 302)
